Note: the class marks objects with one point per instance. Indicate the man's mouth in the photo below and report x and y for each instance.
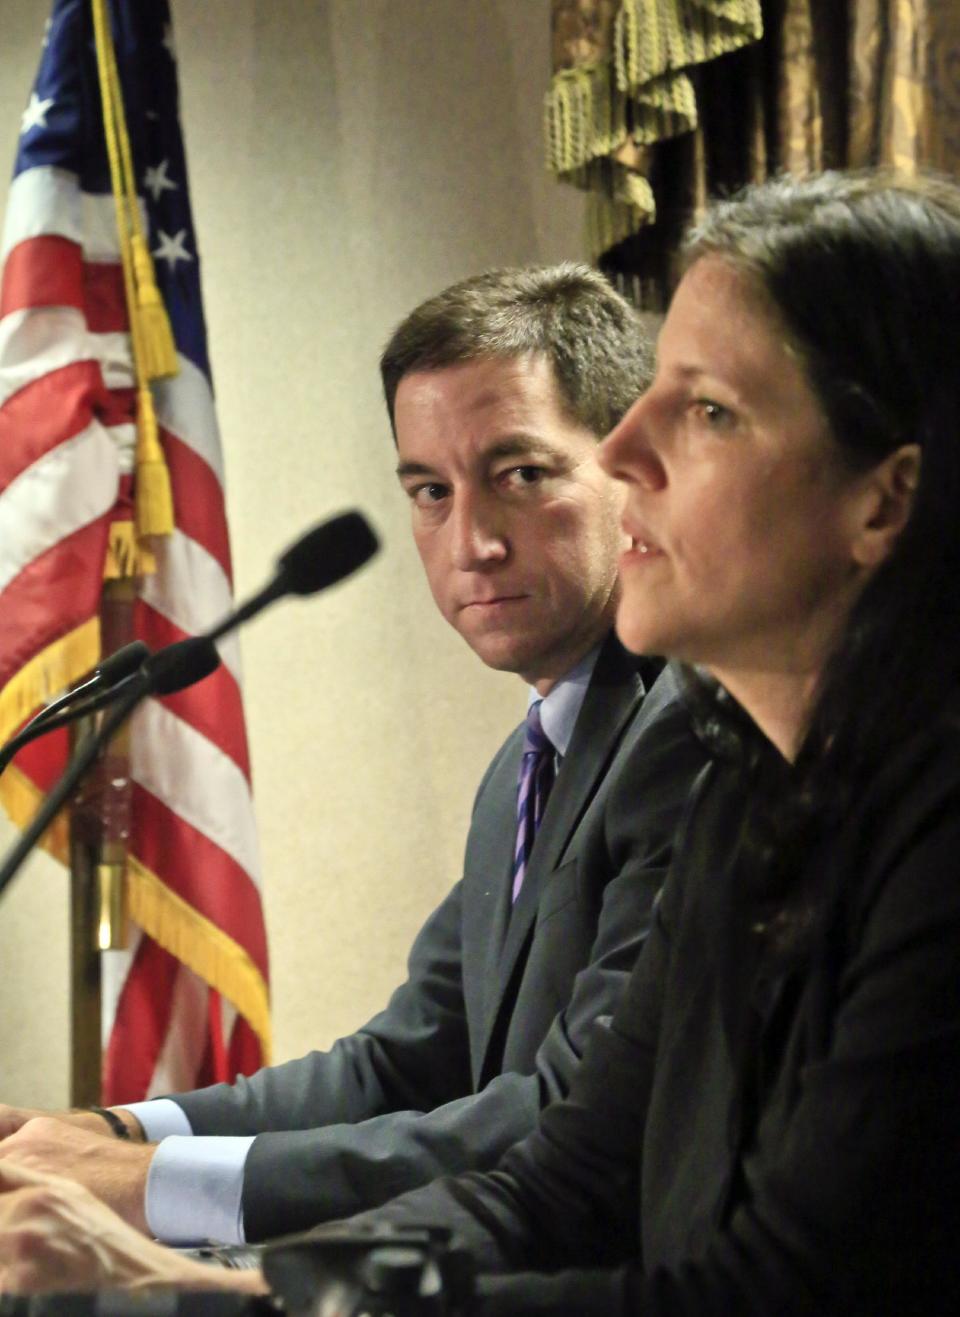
(494, 600)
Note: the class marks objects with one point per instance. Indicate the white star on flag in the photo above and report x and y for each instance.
(171, 249)
(168, 42)
(156, 181)
(46, 33)
(35, 115)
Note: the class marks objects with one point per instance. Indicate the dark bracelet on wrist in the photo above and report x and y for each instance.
(120, 1130)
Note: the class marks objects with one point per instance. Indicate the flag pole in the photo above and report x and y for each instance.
(86, 1057)
(99, 833)
(100, 814)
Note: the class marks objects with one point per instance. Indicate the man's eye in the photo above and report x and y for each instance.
(520, 476)
(425, 496)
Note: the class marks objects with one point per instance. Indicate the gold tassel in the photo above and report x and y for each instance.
(152, 479)
(125, 557)
(599, 117)
(156, 337)
(121, 552)
(154, 351)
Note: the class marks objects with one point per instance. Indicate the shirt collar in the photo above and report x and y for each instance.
(561, 706)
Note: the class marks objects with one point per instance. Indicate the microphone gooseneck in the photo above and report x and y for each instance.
(108, 681)
(110, 673)
(320, 558)
(170, 670)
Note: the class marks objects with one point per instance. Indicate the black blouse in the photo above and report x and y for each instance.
(756, 1132)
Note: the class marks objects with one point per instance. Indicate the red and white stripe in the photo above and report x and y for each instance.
(64, 445)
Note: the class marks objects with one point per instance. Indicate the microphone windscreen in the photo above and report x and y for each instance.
(181, 664)
(327, 553)
(123, 663)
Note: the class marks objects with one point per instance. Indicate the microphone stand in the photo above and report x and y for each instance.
(181, 665)
(323, 556)
(86, 912)
(64, 788)
(51, 722)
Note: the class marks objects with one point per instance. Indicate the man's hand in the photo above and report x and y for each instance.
(55, 1236)
(12, 1118)
(112, 1169)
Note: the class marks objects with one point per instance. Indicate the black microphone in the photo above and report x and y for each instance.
(109, 673)
(117, 666)
(322, 557)
(172, 669)
(179, 665)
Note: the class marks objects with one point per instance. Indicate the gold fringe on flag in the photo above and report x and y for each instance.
(200, 945)
(599, 116)
(154, 350)
(62, 663)
(21, 800)
(46, 674)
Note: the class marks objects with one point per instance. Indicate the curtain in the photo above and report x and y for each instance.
(657, 104)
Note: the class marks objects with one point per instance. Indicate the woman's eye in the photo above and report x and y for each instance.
(716, 416)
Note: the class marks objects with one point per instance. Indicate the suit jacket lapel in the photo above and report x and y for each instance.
(499, 848)
(612, 697)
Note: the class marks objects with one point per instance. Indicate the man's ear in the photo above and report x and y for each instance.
(888, 493)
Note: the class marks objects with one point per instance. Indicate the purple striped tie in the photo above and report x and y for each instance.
(536, 779)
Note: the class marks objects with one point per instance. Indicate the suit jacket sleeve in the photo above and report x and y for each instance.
(569, 1190)
(391, 1107)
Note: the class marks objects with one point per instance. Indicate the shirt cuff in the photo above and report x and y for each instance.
(194, 1189)
(159, 1118)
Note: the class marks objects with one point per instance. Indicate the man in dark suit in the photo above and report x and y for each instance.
(498, 390)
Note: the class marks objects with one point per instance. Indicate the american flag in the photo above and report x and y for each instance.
(186, 1003)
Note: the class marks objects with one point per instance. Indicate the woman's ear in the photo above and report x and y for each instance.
(887, 501)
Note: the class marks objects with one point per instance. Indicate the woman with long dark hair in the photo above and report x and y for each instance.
(770, 1124)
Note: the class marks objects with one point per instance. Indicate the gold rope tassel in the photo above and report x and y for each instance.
(154, 349)
(154, 497)
(159, 349)
(125, 555)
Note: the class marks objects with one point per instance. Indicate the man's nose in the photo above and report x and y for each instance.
(477, 534)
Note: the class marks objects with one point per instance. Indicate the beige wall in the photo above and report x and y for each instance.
(348, 158)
